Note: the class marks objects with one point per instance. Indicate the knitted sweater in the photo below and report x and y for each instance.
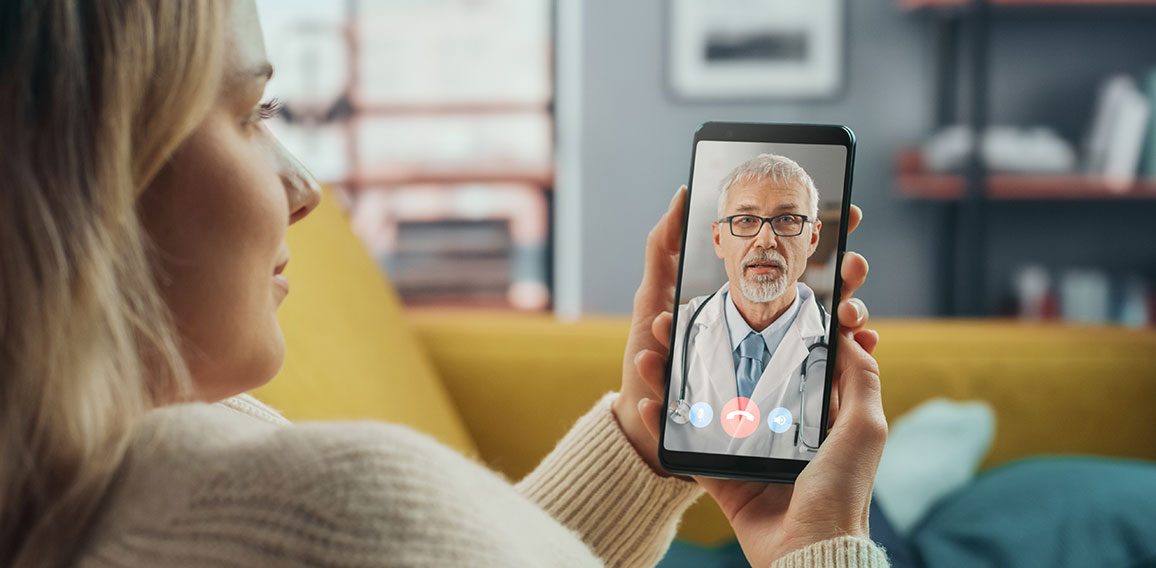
(234, 484)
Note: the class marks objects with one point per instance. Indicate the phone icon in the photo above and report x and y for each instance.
(701, 414)
(740, 417)
(780, 420)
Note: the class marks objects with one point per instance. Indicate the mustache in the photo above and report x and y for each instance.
(764, 256)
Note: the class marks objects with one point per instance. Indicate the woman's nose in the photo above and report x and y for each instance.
(302, 189)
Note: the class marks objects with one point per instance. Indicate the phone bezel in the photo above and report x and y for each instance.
(750, 467)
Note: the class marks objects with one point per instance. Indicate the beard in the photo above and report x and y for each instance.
(762, 288)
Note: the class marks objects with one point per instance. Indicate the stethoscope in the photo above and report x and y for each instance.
(680, 411)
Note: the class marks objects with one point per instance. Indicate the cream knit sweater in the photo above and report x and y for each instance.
(233, 484)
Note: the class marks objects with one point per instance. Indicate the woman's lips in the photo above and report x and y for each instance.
(279, 279)
(281, 282)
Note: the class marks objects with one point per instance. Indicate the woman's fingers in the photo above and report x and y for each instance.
(652, 368)
(854, 216)
(868, 339)
(661, 328)
(651, 412)
(834, 408)
(853, 314)
(854, 272)
(662, 247)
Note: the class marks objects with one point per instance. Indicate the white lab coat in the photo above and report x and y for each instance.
(779, 385)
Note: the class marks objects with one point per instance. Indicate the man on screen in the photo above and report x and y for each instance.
(754, 352)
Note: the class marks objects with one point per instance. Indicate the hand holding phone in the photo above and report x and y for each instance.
(753, 334)
(831, 496)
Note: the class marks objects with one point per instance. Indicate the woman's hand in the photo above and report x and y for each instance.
(832, 495)
(655, 296)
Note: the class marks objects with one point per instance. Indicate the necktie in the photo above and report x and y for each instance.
(751, 353)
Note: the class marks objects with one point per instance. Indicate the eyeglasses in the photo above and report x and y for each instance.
(785, 225)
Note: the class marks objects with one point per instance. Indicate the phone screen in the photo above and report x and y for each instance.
(748, 373)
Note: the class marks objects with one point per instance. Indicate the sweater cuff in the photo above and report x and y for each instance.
(839, 552)
(595, 483)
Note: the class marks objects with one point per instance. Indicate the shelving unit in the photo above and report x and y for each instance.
(962, 45)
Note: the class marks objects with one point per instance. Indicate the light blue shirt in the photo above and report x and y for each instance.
(773, 334)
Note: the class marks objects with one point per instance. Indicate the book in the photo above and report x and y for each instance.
(1117, 135)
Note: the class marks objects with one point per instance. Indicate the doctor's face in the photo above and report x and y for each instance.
(766, 265)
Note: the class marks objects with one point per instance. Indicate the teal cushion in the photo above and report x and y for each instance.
(1052, 512)
(684, 554)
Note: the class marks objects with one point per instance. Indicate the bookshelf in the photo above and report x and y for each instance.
(970, 198)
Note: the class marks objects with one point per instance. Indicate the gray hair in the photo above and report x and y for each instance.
(779, 169)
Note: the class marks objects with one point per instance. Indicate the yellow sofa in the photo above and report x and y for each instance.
(503, 387)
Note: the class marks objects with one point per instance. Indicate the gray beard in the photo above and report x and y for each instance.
(763, 288)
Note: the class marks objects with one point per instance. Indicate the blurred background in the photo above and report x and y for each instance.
(514, 153)
(531, 144)
(502, 161)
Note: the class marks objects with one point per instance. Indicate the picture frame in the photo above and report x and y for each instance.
(755, 49)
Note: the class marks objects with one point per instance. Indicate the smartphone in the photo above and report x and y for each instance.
(748, 379)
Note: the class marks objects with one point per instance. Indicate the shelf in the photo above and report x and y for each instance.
(933, 4)
(917, 183)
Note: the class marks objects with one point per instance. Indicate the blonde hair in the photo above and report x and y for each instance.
(779, 169)
(95, 95)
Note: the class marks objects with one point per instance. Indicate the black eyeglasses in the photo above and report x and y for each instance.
(785, 225)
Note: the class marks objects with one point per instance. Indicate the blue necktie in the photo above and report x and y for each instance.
(751, 353)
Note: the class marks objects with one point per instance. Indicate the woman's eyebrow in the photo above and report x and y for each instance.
(262, 71)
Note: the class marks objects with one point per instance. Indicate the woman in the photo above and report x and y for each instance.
(142, 224)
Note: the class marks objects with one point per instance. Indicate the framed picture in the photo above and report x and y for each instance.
(752, 49)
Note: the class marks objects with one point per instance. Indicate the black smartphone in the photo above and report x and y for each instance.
(748, 384)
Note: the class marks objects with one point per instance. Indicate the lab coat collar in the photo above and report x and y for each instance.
(811, 324)
(713, 315)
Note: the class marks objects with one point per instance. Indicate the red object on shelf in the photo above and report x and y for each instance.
(918, 4)
(916, 182)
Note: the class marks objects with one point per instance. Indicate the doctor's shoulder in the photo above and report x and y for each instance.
(302, 494)
(694, 303)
